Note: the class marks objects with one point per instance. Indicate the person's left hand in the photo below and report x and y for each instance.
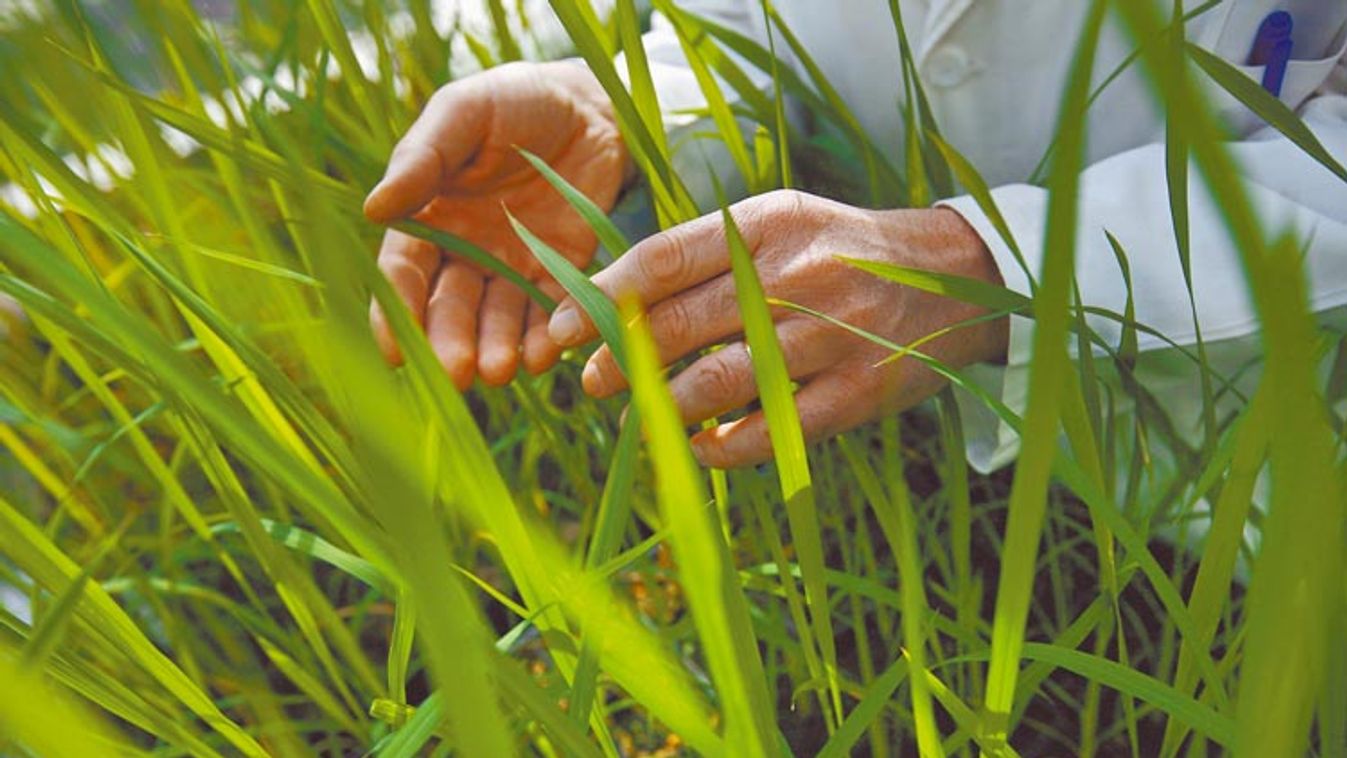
(683, 278)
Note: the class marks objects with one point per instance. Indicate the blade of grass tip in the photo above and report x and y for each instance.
(973, 183)
(715, 599)
(607, 232)
(477, 255)
(1208, 722)
(51, 627)
(319, 549)
(792, 462)
(965, 289)
(778, 105)
(1048, 373)
(956, 378)
(1268, 107)
(1176, 177)
(589, 297)
(1282, 672)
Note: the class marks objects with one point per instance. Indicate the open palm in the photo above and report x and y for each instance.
(458, 169)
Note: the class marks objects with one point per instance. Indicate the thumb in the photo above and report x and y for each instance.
(414, 176)
(446, 135)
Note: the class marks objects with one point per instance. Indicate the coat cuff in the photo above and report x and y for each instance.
(990, 443)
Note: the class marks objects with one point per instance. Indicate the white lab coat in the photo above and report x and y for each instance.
(994, 71)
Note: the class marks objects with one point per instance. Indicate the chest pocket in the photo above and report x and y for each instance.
(1318, 44)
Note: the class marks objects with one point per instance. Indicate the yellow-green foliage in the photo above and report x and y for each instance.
(228, 527)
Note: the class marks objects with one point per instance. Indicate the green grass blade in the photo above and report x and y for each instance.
(897, 520)
(1028, 497)
(715, 600)
(42, 560)
(1268, 107)
(1216, 570)
(609, 235)
(1204, 720)
(792, 462)
(1282, 673)
(727, 124)
(670, 193)
(972, 182)
(590, 298)
(878, 694)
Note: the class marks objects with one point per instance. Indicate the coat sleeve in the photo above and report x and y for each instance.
(1126, 195)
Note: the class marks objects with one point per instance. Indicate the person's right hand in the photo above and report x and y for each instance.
(457, 169)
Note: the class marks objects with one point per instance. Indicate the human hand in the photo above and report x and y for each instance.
(457, 169)
(683, 278)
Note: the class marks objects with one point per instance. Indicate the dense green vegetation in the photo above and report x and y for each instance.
(228, 527)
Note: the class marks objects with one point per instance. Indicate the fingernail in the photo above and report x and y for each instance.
(589, 379)
(699, 451)
(565, 326)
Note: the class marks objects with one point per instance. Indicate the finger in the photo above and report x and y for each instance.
(828, 406)
(679, 325)
(654, 269)
(409, 264)
(451, 321)
(448, 132)
(723, 381)
(540, 351)
(502, 325)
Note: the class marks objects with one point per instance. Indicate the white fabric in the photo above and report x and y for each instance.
(994, 71)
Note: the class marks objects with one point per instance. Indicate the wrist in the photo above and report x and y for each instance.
(975, 261)
(941, 240)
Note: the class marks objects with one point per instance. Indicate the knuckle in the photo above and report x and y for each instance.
(666, 262)
(718, 378)
(671, 324)
(783, 203)
(399, 269)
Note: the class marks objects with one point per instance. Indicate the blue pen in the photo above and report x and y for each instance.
(1272, 49)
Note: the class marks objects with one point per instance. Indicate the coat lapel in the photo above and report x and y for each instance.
(940, 18)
